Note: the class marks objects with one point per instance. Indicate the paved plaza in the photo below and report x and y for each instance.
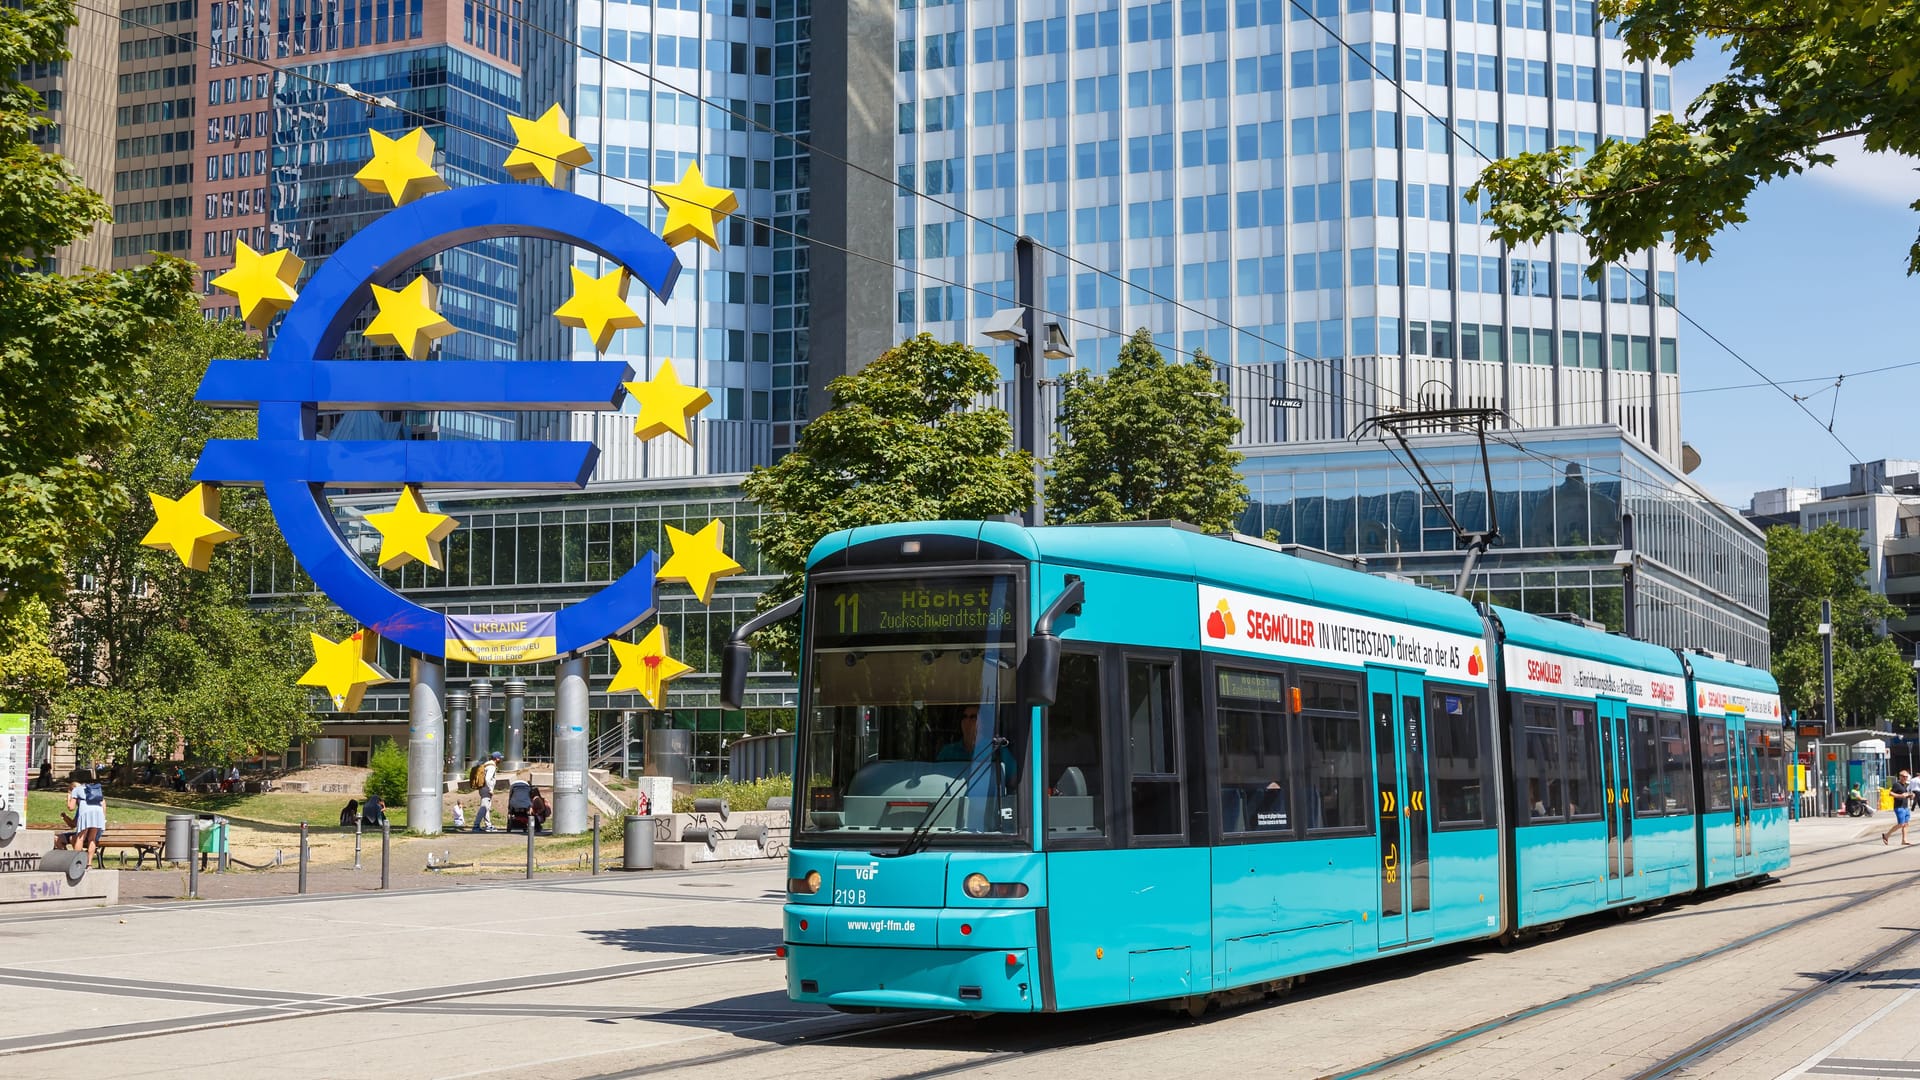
(674, 974)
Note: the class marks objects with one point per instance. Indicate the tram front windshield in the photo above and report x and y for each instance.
(911, 720)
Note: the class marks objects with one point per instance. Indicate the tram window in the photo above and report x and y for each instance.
(1455, 740)
(1676, 764)
(1643, 747)
(1337, 761)
(1715, 765)
(1583, 764)
(1768, 773)
(1255, 763)
(1153, 750)
(1076, 788)
(1545, 797)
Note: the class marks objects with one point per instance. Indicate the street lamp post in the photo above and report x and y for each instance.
(1022, 327)
(1826, 680)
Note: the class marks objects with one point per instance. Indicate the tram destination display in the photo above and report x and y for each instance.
(968, 608)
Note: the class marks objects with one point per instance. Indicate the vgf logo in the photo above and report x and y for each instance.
(866, 873)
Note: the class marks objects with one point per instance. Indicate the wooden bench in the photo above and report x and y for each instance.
(142, 838)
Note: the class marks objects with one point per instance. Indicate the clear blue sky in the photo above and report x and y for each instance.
(1813, 285)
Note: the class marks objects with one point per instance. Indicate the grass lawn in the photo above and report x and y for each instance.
(273, 811)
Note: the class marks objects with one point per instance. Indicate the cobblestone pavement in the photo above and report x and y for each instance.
(671, 974)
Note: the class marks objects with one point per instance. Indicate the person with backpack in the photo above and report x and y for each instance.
(87, 802)
(484, 775)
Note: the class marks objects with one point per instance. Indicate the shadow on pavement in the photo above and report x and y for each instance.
(688, 939)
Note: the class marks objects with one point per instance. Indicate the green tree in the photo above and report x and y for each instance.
(387, 773)
(1801, 75)
(1872, 681)
(30, 674)
(901, 442)
(157, 653)
(1148, 440)
(71, 347)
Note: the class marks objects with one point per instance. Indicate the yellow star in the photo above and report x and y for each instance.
(407, 320)
(186, 526)
(599, 305)
(262, 283)
(409, 531)
(646, 667)
(666, 403)
(343, 667)
(402, 168)
(546, 148)
(698, 559)
(694, 208)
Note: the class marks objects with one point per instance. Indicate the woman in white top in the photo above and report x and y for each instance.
(88, 805)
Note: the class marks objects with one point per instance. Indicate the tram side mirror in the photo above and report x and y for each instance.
(1040, 671)
(735, 658)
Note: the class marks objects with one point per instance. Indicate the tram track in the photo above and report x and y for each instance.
(1712, 1042)
(1097, 1026)
(1760, 1018)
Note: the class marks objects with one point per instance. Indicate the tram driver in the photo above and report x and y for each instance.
(967, 746)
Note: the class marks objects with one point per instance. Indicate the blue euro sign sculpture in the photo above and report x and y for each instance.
(299, 379)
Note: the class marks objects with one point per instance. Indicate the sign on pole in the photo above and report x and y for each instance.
(13, 762)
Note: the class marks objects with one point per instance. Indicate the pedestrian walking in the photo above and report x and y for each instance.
(484, 775)
(1902, 791)
(87, 802)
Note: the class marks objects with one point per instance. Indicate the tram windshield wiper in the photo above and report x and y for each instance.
(917, 839)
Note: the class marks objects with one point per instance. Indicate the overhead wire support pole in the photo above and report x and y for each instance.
(1026, 360)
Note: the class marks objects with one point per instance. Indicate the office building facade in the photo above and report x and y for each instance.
(1239, 180)
(392, 66)
(1880, 499)
(1699, 568)
(79, 93)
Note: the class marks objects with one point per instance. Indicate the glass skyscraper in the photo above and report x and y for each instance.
(1227, 173)
(1305, 213)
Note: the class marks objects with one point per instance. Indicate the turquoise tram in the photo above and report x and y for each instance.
(1068, 767)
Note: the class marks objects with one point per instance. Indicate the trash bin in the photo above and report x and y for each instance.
(1886, 798)
(213, 837)
(637, 851)
(179, 838)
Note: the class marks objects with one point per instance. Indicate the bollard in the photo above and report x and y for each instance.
(596, 845)
(193, 860)
(356, 843)
(386, 837)
(303, 858)
(529, 849)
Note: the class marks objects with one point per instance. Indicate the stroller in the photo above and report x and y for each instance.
(520, 807)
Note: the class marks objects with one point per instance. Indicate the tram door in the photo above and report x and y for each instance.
(1616, 773)
(1740, 768)
(1400, 771)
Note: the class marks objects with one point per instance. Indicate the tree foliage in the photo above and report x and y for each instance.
(387, 773)
(71, 347)
(1146, 441)
(158, 653)
(900, 443)
(1872, 681)
(1802, 74)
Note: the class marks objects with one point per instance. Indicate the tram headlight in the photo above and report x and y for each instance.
(805, 886)
(978, 887)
